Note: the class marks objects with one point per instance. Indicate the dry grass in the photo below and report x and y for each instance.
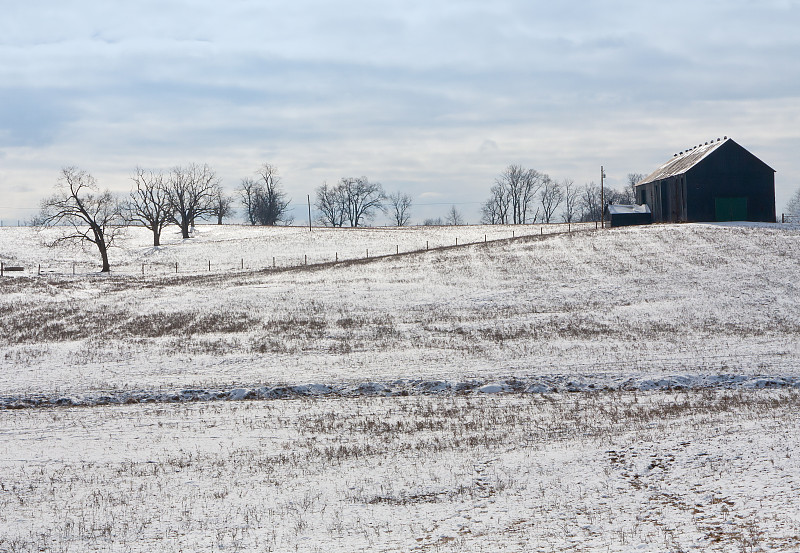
(581, 472)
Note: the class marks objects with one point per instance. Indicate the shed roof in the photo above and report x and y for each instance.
(682, 162)
(626, 209)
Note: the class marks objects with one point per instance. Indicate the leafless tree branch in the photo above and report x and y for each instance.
(87, 214)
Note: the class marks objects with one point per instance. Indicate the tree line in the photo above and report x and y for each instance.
(179, 196)
(184, 194)
(354, 202)
(522, 196)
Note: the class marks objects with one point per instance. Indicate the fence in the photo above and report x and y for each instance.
(378, 249)
(790, 218)
(9, 268)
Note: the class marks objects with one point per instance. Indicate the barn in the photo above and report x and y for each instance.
(715, 181)
(620, 215)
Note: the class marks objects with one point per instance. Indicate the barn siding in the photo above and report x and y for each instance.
(732, 172)
(726, 173)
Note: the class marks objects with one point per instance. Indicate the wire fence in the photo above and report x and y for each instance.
(283, 261)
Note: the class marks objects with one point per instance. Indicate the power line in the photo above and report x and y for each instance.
(303, 204)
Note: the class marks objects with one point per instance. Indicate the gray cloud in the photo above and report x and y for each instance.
(405, 91)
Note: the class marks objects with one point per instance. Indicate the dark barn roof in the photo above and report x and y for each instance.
(685, 160)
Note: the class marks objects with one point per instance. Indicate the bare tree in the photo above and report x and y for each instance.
(270, 204)
(793, 207)
(222, 206)
(148, 204)
(630, 189)
(248, 192)
(590, 202)
(511, 179)
(551, 196)
(400, 208)
(433, 222)
(495, 210)
(614, 196)
(331, 205)
(570, 200)
(191, 192)
(590, 205)
(454, 217)
(515, 191)
(363, 199)
(352, 200)
(87, 214)
(531, 183)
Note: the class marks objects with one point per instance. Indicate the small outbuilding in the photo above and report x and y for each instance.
(715, 181)
(623, 215)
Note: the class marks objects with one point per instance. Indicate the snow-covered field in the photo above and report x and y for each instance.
(642, 303)
(622, 472)
(236, 247)
(624, 390)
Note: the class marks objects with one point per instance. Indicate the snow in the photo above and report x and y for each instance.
(624, 390)
(617, 209)
(621, 471)
(636, 302)
(237, 247)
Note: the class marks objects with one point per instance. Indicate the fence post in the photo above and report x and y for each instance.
(142, 268)
(397, 249)
(367, 253)
(176, 267)
(783, 217)
(305, 259)
(73, 268)
(1, 268)
(456, 240)
(513, 233)
(569, 226)
(273, 261)
(426, 245)
(337, 257)
(243, 263)
(40, 270)
(209, 265)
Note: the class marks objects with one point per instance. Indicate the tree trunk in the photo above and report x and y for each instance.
(104, 255)
(185, 228)
(156, 238)
(100, 241)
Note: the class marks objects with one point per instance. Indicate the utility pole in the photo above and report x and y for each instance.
(602, 199)
(309, 212)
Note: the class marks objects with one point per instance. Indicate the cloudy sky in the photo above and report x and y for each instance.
(433, 98)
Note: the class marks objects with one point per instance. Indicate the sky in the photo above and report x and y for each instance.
(433, 99)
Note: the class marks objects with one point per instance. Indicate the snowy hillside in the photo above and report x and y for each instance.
(236, 247)
(594, 307)
(620, 391)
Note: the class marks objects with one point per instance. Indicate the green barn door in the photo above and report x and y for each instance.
(731, 209)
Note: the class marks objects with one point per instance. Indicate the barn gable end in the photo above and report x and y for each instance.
(717, 181)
